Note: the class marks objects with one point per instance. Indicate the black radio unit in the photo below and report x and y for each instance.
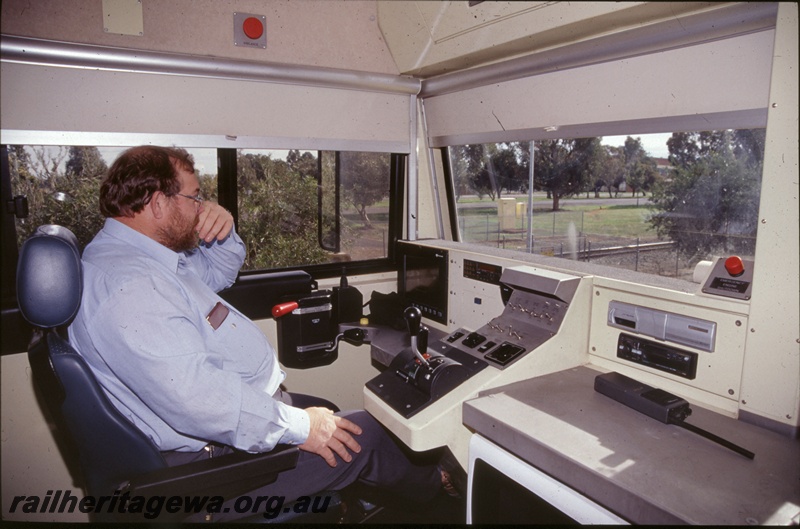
(657, 355)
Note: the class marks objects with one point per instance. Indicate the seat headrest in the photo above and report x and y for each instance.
(49, 277)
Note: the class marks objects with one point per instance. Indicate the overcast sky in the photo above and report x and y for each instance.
(654, 144)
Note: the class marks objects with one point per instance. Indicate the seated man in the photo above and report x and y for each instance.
(194, 374)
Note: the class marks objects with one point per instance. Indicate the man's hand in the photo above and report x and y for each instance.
(213, 222)
(330, 433)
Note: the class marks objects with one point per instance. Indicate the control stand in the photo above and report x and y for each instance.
(416, 378)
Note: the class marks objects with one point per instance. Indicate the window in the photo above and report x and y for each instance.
(62, 185)
(313, 207)
(657, 203)
(293, 208)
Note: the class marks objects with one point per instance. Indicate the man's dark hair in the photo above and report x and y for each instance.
(137, 174)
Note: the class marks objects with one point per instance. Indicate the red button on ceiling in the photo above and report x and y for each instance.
(253, 28)
(734, 265)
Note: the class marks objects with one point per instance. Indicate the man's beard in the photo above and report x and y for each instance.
(180, 235)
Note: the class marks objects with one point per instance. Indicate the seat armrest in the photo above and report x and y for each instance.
(227, 476)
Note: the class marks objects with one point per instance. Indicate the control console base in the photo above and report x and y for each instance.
(408, 387)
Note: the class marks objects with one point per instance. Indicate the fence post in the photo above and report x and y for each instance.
(636, 268)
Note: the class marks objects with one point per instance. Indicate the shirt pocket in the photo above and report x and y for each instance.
(238, 344)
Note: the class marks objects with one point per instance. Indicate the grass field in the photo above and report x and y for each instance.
(608, 221)
(576, 227)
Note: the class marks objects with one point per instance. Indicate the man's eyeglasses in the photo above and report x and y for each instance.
(197, 198)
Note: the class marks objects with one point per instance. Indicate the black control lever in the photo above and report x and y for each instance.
(413, 318)
(354, 336)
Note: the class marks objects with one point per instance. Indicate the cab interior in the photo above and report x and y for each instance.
(440, 95)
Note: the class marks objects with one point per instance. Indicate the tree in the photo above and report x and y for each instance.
(510, 163)
(481, 170)
(709, 203)
(364, 180)
(490, 169)
(639, 170)
(59, 192)
(277, 214)
(459, 171)
(85, 162)
(606, 169)
(303, 164)
(563, 166)
(470, 174)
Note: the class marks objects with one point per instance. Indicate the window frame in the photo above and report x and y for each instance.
(562, 261)
(228, 194)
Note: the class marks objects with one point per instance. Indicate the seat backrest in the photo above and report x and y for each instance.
(49, 288)
(49, 277)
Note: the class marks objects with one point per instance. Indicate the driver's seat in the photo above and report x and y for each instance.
(116, 458)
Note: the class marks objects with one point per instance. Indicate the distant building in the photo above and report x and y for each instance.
(663, 166)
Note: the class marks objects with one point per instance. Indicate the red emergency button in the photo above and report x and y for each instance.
(253, 28)
(734, 265)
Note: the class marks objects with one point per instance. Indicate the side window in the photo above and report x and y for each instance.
(657, 203)
(294, 208)
(300, 208)
(62, 185)
(364, 190)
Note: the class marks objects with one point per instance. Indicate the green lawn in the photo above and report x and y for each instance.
(609, 221)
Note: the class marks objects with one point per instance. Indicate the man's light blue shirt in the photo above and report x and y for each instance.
(142, 328)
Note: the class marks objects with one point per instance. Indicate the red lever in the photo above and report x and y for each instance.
(283, 308)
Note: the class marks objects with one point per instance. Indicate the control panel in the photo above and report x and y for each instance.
(420, 375)
(485, 272)
(410, 385)
(533, 314)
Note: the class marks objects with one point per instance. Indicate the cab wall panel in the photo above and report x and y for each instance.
(731, 75)
(71, 99)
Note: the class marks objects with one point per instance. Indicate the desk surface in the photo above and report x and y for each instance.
(645, 471)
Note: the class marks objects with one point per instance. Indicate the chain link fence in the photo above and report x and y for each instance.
(568, 234)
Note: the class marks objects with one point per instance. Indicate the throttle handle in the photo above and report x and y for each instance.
(283, 308)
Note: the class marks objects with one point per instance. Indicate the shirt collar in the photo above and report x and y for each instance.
(143, 243)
